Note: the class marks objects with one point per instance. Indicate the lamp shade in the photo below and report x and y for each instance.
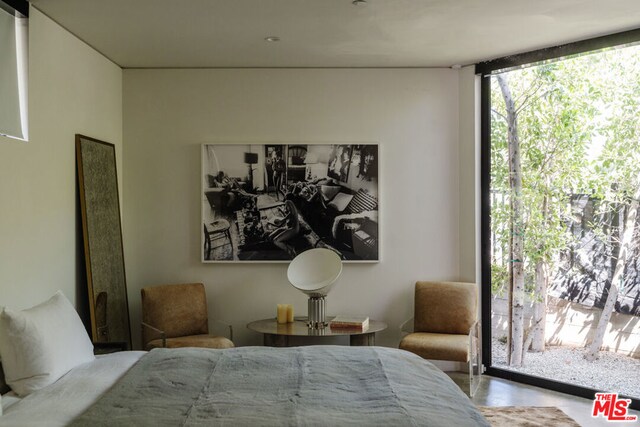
(251, 158)
(315, 271)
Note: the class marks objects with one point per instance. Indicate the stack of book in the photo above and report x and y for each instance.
(350, 322)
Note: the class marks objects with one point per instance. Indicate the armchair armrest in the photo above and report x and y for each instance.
(473, 330)
(214, 190)
(148, 329)
(226, 325)
(407, 326)
(476, 332)
(476, 369)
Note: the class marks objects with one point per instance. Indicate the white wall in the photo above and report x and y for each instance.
(412, 113)
(72, 89)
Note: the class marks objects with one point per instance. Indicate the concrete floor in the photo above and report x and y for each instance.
(499, 392)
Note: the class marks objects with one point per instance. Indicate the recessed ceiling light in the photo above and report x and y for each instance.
(359, 2)
(272, 39)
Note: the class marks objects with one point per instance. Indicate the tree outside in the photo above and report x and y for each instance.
(565, 185)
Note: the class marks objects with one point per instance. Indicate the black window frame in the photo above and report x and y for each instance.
(16, 7)
(485, 70)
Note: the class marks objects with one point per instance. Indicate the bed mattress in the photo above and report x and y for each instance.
(300, 386)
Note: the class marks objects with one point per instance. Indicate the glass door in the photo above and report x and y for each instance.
(563, 246)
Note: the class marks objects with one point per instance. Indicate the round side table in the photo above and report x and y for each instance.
(278, 334)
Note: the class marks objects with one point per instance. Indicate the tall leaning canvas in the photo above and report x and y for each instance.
(102, 236)
(270, 202)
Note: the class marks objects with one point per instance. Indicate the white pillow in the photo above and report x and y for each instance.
(41, 344)
(340, 201)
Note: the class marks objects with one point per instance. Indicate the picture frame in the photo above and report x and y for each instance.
(268, 202)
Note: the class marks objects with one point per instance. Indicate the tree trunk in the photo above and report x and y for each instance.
(540, 307)
(615, 237)
(505, 244)
(540, 303)
(494, 249)
(510, 305)
(618, 276)
(516, 231)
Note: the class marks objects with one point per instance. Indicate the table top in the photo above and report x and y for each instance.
(299, 328)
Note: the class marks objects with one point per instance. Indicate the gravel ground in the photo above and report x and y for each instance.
(611, 372)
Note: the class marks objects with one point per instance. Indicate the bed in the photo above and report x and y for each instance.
(316, 385)
(47, 359)
(59, 403)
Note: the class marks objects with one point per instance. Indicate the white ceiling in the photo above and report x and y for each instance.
(332, 33)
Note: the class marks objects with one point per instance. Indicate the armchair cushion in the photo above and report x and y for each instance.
(340, 201)
(437, 346)
(445, 326)
(178, 310)
(328, 192)
(445, 307)
(176, 316)
(202, 341)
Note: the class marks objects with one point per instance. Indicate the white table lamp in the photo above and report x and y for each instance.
(314, 272)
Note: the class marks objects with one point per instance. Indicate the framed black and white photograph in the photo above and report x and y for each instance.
(270, 202)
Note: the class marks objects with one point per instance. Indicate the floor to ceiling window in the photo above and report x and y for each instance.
(561, 233)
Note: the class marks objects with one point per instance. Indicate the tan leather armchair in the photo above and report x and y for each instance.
(176, 316)
(445, 326)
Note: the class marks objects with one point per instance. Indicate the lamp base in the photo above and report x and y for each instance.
(316, 310)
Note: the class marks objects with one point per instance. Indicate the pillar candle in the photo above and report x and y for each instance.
(282, 313)
(289, 313)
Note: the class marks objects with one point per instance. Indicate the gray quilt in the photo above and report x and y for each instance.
(299, 386)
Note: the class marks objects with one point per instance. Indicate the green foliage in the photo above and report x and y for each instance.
(499, 277)
(579, 132)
